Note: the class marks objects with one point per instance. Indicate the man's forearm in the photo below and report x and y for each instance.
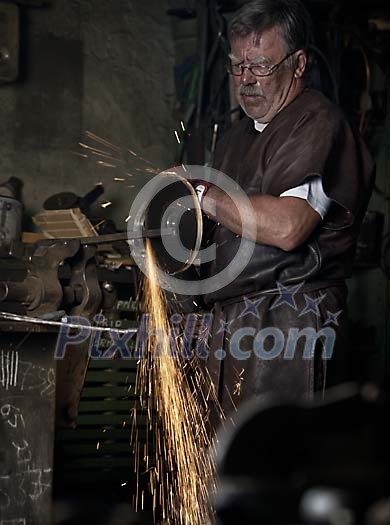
(285, 222)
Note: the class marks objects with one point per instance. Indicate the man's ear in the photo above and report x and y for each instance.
(301, 60)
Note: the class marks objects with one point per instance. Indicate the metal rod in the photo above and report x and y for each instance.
(113, 237)
(35, 320)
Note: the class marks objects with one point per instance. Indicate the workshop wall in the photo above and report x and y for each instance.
(103, 66)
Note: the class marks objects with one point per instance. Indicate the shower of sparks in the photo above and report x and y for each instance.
(105, 164)
(238, 385)
(181, 467)
(182, 125)
(230, 397)
(94, 150)
(173, 394)
(105, 154)
(106, 204)
(143, 160)
(105, 142)
(147, 170)
(79, 154)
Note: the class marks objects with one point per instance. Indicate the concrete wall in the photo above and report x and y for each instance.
(100, 65)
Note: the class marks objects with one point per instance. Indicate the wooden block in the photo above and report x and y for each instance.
(70, 223)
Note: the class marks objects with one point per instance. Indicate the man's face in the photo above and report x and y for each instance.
(262, 97)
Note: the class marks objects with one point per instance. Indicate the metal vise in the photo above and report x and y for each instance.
(41, 294)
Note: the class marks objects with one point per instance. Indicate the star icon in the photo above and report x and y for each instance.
(251, 307)
(225, 326)
(333, 318)
(287, 295)
(312, 305)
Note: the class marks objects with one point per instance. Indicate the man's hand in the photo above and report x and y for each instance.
(201, 187)
(284, 222)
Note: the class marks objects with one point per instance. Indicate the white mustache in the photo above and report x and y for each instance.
(250, 91)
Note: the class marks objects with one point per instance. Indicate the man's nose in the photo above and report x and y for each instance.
(248, 77)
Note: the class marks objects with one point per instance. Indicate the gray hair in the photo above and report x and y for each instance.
(290, 16)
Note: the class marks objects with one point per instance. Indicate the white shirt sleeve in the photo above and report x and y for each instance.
(312, 192)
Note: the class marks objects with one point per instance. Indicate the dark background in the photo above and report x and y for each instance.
(132, 72)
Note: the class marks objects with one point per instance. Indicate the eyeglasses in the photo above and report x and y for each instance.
(257, 70)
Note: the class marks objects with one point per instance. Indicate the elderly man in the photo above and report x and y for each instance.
(280, 326)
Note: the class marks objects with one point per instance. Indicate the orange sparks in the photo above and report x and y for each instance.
(183, 475)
